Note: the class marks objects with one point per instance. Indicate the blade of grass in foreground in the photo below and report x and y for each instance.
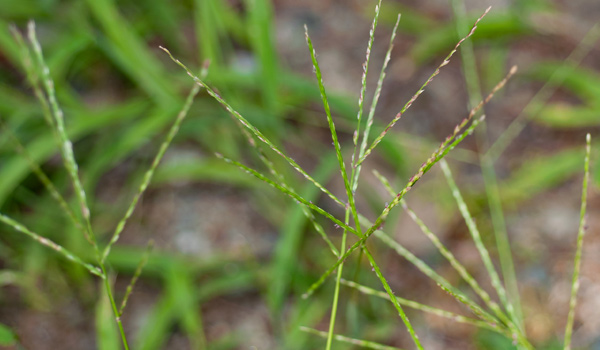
(420, 91)
(580, 234)
(252, 128)
(363, 343)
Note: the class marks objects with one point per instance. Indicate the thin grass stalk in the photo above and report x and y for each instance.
(362, 343)
(150, 172)
(50, 244)
(582, 228)
(349, 184)
(111, 298)
(426, 308)
(66, 146)
(252, 128)
(491, 184)
(533, 107)
(136, 275)
(394, 301)
(35, 168)
(434, 158)
(336, 143)
(462, 271)
(483, 252)
(356, 168)
(336, 292)
(420, 91)
(363, 88)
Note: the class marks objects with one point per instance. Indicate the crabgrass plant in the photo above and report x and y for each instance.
(497, 316)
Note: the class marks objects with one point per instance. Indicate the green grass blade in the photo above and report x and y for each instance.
(131, 54)
(578, 253)
(362, 343)
(150, 172)
(50, 244)
(420, 91)
(252, 128)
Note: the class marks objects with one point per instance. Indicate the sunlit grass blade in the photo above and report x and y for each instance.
(420, 91)
(50, 244)
(534, 106)
(582, 228)
(363, 343)
(136, 275)
(66, 146)
(438, 154)
(483, 252)
(289, 192)
(425, 308)
(150, 172)
(252, 128)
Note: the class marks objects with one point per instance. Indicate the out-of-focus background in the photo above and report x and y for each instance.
(233, 256)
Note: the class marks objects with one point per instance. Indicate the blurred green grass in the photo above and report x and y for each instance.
(120, 93)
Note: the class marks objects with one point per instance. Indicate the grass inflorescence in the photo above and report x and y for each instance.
(500, 313)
